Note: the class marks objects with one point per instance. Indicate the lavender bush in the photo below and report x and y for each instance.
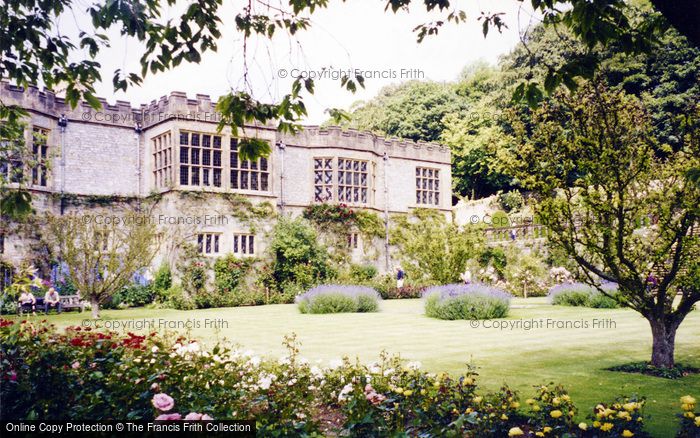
(584, 295)
(466, 301)
(333, 298)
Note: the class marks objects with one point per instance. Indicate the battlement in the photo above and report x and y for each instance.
(346, 138)
(177, 106)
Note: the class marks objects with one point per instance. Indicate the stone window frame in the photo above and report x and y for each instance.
(335, 186)
(207, 172)
(354, 241)
(209, 243)
(243, 244)
(12, 167)
(256, 174)
(428, 186)
(40, 157)
(162, 153)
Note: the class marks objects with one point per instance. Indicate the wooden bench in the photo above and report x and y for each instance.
(68, 302)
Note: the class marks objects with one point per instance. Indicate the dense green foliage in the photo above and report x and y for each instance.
(467, 114)
(298, 257)
(431, 249)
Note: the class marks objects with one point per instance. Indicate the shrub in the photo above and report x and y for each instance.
(511, 201)
(298, 257)
(432, 248)
(178, 299)
(582, 295)
(466, 301)
(162, 282)
(136, 295)
(500, 219)
(362, 273)
(229, 271)
(338, 299)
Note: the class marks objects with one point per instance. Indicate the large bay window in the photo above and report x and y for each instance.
(40, 156)
(200, 159)
(343, 179)
(163, 160)
(246, 174)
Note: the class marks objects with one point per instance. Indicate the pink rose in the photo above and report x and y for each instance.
(193, 416)
(169, 417)
(206, 417)
(163, 402)
(75, 365)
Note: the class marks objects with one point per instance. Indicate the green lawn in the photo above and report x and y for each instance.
(575, 357)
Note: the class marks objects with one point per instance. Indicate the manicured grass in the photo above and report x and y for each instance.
(522, 358)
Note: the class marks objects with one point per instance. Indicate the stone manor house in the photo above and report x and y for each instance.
(171, 149)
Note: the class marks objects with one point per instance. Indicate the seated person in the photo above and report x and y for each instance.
(27, 302)
(52, 301)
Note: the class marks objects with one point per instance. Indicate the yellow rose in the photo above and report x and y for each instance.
(539, 434)
(399, 390)
(515, 405)
(536, 408)
(627, 434)
(565, 397)
(547, 429)
(468, 381)
(556, 401)
(530, 401)
(407, 392)
(596, 424)
(515, 431)
(583, 426)
(630, 407)
(504, 417)
(687, 407)
(688, 400)
(697, 421)
(423, 392)
(469, 411)
(555, 414)
(609, 412)
(606, 427)
(689, 415)
(624, 415)
(477, 399)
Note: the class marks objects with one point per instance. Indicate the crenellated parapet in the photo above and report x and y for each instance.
(177, 106)
(342, 138)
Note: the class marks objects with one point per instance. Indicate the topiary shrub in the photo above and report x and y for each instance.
(466, 301)
(338, 299)
(583, 295)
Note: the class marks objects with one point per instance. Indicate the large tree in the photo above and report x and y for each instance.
(615, 203)
(102, 251)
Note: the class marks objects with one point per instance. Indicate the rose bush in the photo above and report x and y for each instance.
(95, 375)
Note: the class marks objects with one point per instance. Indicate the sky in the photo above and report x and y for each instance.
(357, 34)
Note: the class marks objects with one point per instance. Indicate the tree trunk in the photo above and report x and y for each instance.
(664, 343)
(95, 308)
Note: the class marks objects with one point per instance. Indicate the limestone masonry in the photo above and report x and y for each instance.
(171, 148)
